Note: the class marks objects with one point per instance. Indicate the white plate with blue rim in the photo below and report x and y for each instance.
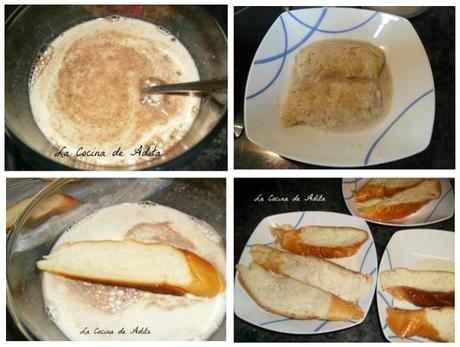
(417, 249)
(405, 130)
(433, 212)
(365, 261)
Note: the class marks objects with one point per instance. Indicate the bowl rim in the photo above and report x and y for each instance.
(169, 164)
(11, 237)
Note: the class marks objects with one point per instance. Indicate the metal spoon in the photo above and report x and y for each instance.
(217, 85)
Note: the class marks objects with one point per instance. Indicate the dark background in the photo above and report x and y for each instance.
(209, 155)
(436, 28)
(248, 214)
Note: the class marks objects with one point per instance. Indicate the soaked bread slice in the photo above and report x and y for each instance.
(147, 266)
(290, 298)
(51, 205)
(339, 59)
(421, 288)
(334, 85)
(402, 203)
(436, 324)
(332, 103)
(346, 284)
(320, 241)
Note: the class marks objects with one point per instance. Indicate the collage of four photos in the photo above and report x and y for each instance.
(345, 231)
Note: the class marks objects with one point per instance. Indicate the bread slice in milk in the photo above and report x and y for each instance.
(148, 266)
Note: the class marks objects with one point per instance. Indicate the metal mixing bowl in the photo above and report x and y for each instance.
(30, 28)
(28, 242)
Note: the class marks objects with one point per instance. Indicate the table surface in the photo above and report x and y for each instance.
(248, 214)
(436, 28)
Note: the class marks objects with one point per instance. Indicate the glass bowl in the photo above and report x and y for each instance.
(27, 242)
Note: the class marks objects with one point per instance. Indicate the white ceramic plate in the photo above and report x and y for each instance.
(364, 261)
(405, 131)
(433, 212)
(420, 249)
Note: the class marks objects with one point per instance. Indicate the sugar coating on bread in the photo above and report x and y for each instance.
(346, 284)
(291, 298)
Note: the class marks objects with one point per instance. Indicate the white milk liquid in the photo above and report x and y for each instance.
(77, 306)
(85, 90)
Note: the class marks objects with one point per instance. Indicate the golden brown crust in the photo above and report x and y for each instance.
(292, 242)
(423, 298)
(207, 280)
(407, 323)
(393, 212)
(344, 310)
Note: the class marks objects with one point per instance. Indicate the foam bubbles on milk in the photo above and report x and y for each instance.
(40, 63)
(74, 305)
(85, 90)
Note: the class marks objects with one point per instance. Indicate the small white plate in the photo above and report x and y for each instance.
(418, 249)
(433, 212)
(405, 131)
(364, 261)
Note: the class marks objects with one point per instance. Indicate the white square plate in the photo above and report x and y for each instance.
(433, 212)
(418, 249)
(405, 131)
(364, 261)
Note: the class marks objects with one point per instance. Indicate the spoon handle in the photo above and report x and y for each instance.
(217, 85)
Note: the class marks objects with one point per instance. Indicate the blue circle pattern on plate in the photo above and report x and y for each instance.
(315, 28)
(323, 323)
(387, 303)
(355, 188)
(449, 191)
